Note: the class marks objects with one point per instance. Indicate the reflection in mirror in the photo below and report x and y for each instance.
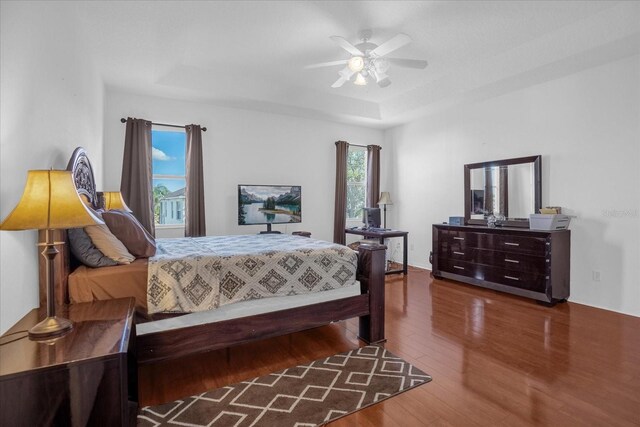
(505, 190)
(511, 188)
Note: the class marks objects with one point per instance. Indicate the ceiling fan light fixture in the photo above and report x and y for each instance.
(381, 65)
(356, 64)
(360, 80)
(384, 82)
(368, 61)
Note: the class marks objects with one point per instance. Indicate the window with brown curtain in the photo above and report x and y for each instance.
(357, 184)
(340, 210)
(135, 184)
(162, 176)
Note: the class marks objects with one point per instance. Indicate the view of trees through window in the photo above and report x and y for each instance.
(356, 181)
(169, 176)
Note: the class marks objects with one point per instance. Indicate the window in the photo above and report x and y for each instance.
(169, 176)
(356, 182)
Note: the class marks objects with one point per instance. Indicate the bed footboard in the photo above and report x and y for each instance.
(368, 306)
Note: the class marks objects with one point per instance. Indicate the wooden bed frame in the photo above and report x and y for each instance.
(152, 347)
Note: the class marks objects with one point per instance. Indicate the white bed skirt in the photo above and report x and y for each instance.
(246, 308)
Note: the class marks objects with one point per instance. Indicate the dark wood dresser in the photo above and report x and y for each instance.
(529, 263)
(87, 377)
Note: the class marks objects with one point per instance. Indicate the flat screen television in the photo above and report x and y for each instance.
(269, 204)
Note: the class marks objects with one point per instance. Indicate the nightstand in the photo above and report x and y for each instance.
(87, 377)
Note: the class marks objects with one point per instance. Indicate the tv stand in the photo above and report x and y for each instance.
(269, 231)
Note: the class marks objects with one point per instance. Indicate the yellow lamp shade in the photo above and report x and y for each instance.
(114, 200)
(49, 201)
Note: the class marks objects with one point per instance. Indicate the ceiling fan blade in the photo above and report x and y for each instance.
(326, 64)
(390, 45)
(339, 82)
(408, 63)
(345, 75)
(343, 43)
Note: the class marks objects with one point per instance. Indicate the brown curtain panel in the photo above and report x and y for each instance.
(194, 194)
(504, 191)
(373, 175)
(135, 184)
(488, 191)
(340, 212)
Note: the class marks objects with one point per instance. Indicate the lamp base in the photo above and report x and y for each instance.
(50, 327)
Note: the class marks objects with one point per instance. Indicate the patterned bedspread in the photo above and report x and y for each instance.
(197, 274)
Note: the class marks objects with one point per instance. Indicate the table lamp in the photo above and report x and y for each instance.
(113, 200)
(385, 199)
(49, 202)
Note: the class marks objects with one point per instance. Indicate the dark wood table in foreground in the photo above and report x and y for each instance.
(86, 377)
(385, 234)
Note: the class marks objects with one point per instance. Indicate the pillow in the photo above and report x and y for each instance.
(130, 232)
(109, 244)
(85, 251)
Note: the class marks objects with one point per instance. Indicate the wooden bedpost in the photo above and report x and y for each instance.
(371, 262)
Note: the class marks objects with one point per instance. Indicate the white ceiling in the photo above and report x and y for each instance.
(251, 54)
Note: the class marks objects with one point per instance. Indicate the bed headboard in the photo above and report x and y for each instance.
(83, 178)
(85, 184)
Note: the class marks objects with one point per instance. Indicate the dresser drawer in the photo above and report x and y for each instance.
(507, 260)
(512, 261)
(457, 237)
(519, 279)
(512, 243)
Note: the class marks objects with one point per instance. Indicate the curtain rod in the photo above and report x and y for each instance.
(356, 145)
(204, 129)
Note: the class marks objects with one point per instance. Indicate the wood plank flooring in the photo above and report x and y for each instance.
(496, 360)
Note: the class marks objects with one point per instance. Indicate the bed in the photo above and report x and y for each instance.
(229, 324)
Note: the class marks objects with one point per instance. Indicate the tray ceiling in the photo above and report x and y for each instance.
(251, 54)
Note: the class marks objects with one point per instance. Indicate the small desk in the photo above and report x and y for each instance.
(385, 234)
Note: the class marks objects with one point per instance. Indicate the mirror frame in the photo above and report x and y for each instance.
(537, 188)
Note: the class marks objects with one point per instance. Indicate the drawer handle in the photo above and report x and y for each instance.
(512, 260)
(511, 244)
(458, 238)
(459, 268)
(458, 253)
(511, 277)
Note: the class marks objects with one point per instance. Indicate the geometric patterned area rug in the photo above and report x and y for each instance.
(305, 395)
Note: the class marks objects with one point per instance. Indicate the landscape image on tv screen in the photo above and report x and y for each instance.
(269, 204)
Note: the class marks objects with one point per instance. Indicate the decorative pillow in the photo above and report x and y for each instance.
(85, 251)
(109, 244)
(130, 232)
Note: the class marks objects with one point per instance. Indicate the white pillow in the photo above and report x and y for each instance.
(109, 244)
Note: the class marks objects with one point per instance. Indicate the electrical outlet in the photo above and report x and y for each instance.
(595, 276)
(411, 247)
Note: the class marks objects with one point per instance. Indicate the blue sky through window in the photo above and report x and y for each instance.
(169, 152)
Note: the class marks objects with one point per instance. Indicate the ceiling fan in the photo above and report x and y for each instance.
(368, 60)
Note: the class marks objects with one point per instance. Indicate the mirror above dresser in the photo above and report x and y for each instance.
(510, 187)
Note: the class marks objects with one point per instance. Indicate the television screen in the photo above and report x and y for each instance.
(269, 204)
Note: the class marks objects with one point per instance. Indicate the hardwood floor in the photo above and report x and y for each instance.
(496, 360)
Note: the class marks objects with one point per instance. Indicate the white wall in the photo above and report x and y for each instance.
(586, 126)
(245, 147)
(52, 101)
